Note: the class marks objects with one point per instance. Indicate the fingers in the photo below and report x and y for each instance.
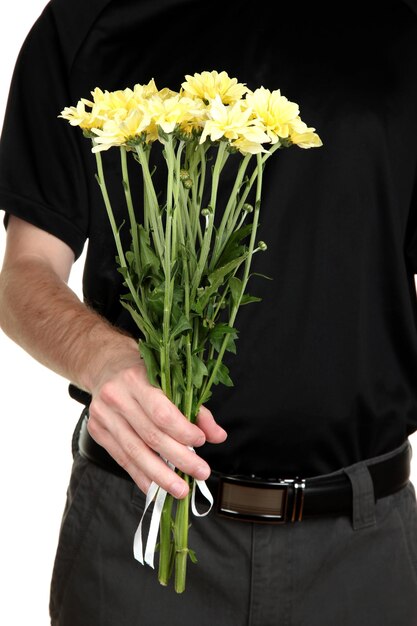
(140, 428)
(105, 439)
(138, 444)
(206, 422)
(135, 396)
(144, 465)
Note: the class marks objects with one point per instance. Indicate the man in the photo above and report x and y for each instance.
(325, 377)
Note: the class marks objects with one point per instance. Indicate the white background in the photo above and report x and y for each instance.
(37, 420)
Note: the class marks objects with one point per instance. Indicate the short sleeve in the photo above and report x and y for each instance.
(42, 177)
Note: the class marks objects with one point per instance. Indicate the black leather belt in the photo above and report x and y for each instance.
(278, 501)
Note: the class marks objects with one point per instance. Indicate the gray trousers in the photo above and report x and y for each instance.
(359, 571)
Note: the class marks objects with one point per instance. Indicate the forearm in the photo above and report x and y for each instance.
(128, 416)
(44, 316)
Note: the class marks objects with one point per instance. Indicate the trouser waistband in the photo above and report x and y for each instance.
(289, 499)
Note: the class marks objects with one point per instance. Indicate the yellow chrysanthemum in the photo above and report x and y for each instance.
(235, 124)
(275, 111)
(209, 85)
(166, 93)
(303, 136)
(172, 111)
(246, 146)
(117, 132)
(142, 92)
(112, 104)
(79, 116)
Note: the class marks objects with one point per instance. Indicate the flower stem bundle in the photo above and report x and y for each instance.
(188, 262)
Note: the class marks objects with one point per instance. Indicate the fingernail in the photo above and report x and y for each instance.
(178, 489)
(202, 472)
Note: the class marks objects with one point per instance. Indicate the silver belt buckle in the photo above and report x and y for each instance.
(256, 500)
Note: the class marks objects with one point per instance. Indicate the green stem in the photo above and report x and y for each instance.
(259, 171)
(200, 160)
(234, 215)
(166, 325)
(229, 208)
(130, 209)
(166, 545)
(185, 204)
(153, 206)
(145, 196)
(148, 328)
(176, 164)
(205, 249)
(119, 247)
(181, 538)
(188, 403)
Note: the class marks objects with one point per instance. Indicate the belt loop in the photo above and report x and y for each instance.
(363, 498)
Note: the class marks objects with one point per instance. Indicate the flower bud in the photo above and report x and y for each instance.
(262, 246)
(188, 183)
(248, 208)
(205, 212)
(184, 174)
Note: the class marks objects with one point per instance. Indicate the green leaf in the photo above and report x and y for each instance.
(180, 327)
(131, 262)
(217, 334)
(260, 275)
(138, 319)
(223, 329)
(124, 272)
(231, 346)
(127, 297)
(192, 556)
(233, 247)
(199, 370)
(148, 331)
(222, 374)
(247, 299)
(178, 375)
(216, 279)
(152, 368)
(149, 260)
(155, 295)
(236, 286)
(206, 396)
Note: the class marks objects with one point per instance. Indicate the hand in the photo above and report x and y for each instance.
(135, 422)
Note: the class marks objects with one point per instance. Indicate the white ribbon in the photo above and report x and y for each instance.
(156, 492)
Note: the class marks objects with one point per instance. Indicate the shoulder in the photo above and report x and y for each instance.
(66, 24)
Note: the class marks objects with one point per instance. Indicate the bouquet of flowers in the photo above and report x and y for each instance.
(189, 258)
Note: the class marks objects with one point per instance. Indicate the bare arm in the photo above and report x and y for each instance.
(134, 421)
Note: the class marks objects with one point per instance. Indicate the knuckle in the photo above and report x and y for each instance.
(161, 416)
(123, 460)
(108, 393)
(152, 438)
(94, 410)
(194, 437)
(130, 376)
(93, 426)
(164, 479)
(132, 452)
(143, 483)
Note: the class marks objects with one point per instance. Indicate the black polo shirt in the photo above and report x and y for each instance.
(326, 366)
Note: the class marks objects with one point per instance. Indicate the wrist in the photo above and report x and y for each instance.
(110, 351)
